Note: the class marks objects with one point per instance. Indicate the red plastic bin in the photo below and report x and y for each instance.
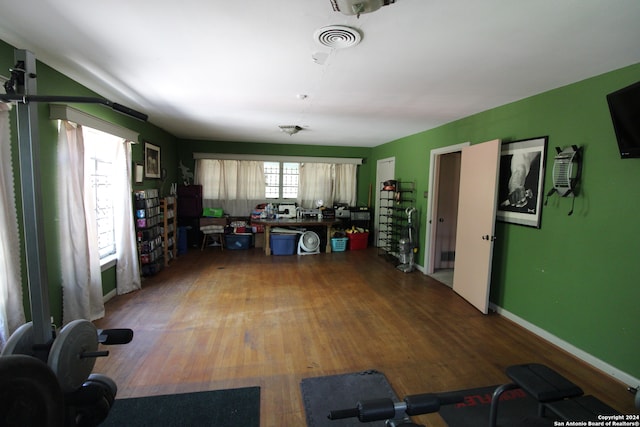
(358, 241)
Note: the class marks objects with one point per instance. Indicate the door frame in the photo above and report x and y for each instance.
(432, 208)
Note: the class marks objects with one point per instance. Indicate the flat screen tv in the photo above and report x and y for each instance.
(624, 105)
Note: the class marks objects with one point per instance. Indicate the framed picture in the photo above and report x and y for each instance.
(138, 173)
(521, 182)
(151, 160)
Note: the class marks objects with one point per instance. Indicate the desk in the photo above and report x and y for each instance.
(268, 223)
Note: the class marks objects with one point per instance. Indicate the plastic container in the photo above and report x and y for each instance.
(283, 244)
(358, 241)
(339, 244)
(235, 242)
(212, 212)
(182, 240)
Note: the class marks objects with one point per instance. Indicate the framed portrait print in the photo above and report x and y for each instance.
(521, 181)
(151, 160)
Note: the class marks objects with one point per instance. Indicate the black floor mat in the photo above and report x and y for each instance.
(323, 394)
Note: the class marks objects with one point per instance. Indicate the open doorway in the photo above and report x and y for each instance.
(442, 216)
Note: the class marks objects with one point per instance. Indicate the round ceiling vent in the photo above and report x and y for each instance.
(337, 36)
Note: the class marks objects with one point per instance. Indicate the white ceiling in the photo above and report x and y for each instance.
(234, 70)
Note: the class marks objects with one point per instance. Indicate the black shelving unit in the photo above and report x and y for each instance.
(149, 231)
(169, 228)
(393, 221)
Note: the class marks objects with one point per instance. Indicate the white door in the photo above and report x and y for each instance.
(385, 170)
(476, 222)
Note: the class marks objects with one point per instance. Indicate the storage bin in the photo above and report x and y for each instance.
(182, 240)
(237, 241)
(213, 212)
(339, 244)
(283, 244)
(358, 241)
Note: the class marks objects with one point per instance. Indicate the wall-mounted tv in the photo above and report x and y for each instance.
(624, 106)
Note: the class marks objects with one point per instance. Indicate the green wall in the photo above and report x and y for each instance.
(51, 82)
(577, 276)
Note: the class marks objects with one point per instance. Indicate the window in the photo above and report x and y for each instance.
(99, 172)
(281, 180)
(276, 179)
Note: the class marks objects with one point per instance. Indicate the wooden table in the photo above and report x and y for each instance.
(268, 223)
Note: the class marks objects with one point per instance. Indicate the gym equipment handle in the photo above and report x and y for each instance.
(89, 354)
(383, 409)
(115, 336)
(344, 413)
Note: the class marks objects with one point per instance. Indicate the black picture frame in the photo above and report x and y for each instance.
(152, 165)
(521, 181)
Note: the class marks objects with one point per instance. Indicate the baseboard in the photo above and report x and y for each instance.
(570, 348)
(109, 295)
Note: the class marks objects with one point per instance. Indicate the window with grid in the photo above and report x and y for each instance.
(99, 169)
(281, 180)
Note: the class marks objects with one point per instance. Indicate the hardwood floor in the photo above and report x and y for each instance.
(215, 320)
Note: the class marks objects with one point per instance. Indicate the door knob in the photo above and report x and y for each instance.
(487, 237)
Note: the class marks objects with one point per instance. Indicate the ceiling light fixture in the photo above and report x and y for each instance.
(356, 7)
(290, 129)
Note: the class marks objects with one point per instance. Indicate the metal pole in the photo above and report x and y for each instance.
(36, 257)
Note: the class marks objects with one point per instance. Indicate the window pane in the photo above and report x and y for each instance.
(272, 179)
(103, 199)
(290, 180)
(99, 169)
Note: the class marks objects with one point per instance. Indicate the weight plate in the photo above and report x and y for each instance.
(21, 341)
(65, 358)
(29, 393)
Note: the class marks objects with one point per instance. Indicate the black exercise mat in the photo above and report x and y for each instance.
(516, 409)
(220, 408)
(323, 394)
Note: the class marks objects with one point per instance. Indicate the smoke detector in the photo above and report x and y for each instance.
(337, 36)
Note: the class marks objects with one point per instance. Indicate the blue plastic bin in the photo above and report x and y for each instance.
(283, 244)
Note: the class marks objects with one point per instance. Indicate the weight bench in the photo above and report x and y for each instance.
(551, 390)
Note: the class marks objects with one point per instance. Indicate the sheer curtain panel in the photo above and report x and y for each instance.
(80, 261)
(236, 186)
(11, 308)
(316, 183)
(127, 267)
(346, 184)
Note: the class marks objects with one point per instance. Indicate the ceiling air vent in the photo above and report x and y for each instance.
(338, 36)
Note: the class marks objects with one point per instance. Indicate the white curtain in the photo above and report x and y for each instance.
(233, 185)
(316, 183)
(11, 305)
(346, 188)
(127, 267)
(80, 261)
